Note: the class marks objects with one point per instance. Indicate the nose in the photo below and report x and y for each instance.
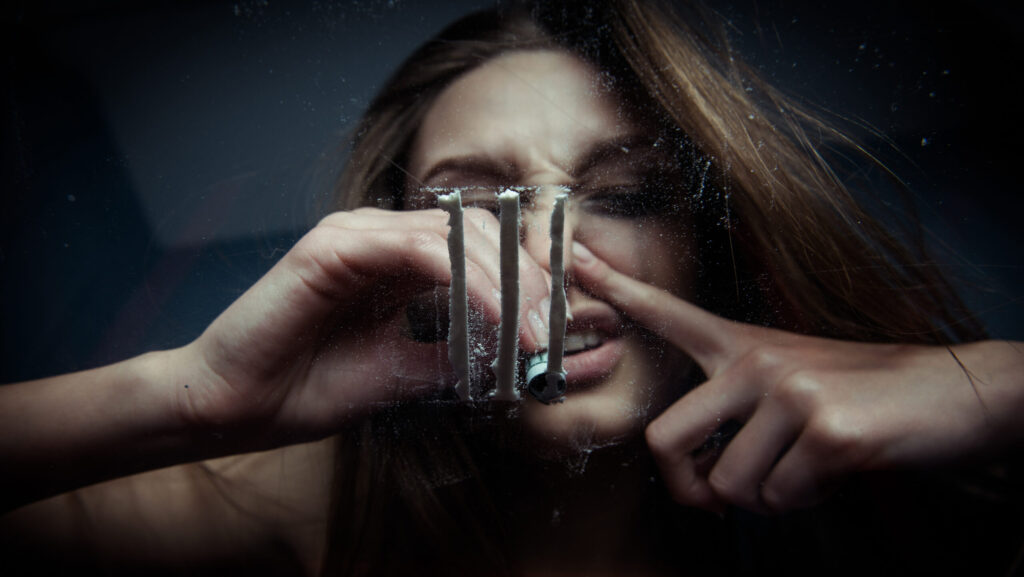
(536, 227)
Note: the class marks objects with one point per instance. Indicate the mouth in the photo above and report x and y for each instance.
(593, 348)
(583, 341)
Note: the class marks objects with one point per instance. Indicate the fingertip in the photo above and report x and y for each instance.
(660, 440)
(537, 331)
(581, 255)
(590, 270)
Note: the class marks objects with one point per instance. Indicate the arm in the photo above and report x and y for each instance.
(73, 430)
(315, 344)
(813, 410)
(266, 511)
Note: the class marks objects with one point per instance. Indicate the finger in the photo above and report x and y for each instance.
(676, 436)
(483, 241)
(480, 230)
(709, 339)
(679, 469)
(327, 269)
(748, 459)
(810, 471)
(686, 486)
(535, 302)
(375, 219)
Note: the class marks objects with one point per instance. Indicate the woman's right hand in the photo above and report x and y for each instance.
(320, 339)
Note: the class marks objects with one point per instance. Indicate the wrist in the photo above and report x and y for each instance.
(68, 431)
(202, 407)
(995, 371)
(158, 380)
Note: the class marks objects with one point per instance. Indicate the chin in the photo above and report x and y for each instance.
(602, 410)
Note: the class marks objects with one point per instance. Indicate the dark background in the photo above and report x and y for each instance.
(158, 157)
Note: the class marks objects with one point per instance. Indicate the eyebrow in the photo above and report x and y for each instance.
(476, 164)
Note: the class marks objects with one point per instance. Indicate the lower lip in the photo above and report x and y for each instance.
(593, 364)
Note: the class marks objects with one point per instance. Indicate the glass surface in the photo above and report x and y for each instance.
(159, 158)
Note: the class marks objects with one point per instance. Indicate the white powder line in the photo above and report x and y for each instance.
(458, 324)
(545, 375)
(505, 364)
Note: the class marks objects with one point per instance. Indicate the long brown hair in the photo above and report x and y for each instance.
(825, 264)
(783, 240)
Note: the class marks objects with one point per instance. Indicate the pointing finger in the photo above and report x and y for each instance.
(707, 338)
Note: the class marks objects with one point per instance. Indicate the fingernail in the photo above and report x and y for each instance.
(581, 253)
(539, 328)
(545, 309)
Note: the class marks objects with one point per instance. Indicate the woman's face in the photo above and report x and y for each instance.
(545, 118)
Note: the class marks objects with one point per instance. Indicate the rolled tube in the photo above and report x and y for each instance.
(548, 386)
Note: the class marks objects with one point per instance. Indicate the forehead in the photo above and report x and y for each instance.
(525, 109)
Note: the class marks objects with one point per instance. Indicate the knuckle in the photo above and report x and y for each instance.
(334, 219)
(317, 240)
(660, 441)
(831, 433)
(725, 485)
(421, 241)
(801, 389)
(763, 360)
(478, 276)
(530, 273)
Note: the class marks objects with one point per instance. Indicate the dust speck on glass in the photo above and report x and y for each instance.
(190, 147)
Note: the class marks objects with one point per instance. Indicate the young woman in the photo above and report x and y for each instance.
(749, 342)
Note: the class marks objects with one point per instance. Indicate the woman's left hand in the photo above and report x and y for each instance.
(813, 410)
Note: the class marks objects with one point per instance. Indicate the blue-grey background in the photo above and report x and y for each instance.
(159, 156)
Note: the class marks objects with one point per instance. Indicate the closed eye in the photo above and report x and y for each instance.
(484, 197)
(629, 200)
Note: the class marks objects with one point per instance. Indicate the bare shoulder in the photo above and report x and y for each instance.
(264, 508)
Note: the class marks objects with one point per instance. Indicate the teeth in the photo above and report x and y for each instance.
(577, 342)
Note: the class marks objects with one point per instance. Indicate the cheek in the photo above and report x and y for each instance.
(654, 252)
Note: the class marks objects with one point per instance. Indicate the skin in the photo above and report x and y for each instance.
(542, 119)
(318, 342)
(814, 410)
